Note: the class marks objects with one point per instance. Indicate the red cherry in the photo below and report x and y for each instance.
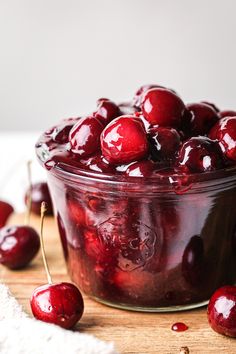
(60, 133)
(76, 211)
(203, 117)
(200, 154)
(107, 111)
(212, 105)
(227, 113)
(97, 163)
(221, 311)
(5, 211)
(139, 94)
(39, 193)
(97, 249)
(18, 246)
(193, 261)
(61, 304)
(140, 169)
(163, 107)
(133, 284)
(164, 143)
(85, 136)
(124, 140)
(95, 203)
(225, 132)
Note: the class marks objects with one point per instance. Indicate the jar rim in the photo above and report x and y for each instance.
(176, 182)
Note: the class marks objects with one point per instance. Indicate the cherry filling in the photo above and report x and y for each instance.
(203, 118)
(199, 155)
(139, 95)
(107, 111)
(227, 113)
(165, 143)
(225, 133)
(163, 107)
(138, 226)
(84, 136)
(124, 140)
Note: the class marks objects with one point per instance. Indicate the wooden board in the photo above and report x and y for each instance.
(132, 332)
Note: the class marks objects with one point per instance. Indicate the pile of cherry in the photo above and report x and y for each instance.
(155, 131)
(62, 303)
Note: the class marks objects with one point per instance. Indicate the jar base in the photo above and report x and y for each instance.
(152, 309)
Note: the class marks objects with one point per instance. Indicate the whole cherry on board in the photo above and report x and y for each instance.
(62, 303)
(19, 244)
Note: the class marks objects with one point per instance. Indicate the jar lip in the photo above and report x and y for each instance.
(160, 181)
(179, 183)
(200, 176)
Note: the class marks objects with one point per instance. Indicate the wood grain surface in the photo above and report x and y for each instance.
(132, 332)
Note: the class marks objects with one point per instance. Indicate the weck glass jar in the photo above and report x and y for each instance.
(164, 243)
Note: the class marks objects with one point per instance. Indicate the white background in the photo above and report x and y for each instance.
(58, 56)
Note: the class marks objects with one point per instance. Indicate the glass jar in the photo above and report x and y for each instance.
(164, 243)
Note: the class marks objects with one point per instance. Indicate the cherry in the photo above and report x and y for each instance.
(5, 211)
(18, 246)
(212, 105)
(227, 113)
(60, 133)
(225, 132)
(97, 249)
(140, 169)
(76, 211)
(221, 311)
(124, 140)
(163, 107)
(164, 143)
(39, 192)
(107, 111)
(139, 94)
(199, 154)
(193, 261)
(97, 163)
(84, 136)
(203, 117)
(61, 304)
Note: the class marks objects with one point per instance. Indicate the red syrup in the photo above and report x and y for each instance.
(179, 327)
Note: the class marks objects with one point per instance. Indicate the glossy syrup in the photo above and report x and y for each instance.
(179, 327)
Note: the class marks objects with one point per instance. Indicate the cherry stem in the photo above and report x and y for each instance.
(43, 211)
(29, 196)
